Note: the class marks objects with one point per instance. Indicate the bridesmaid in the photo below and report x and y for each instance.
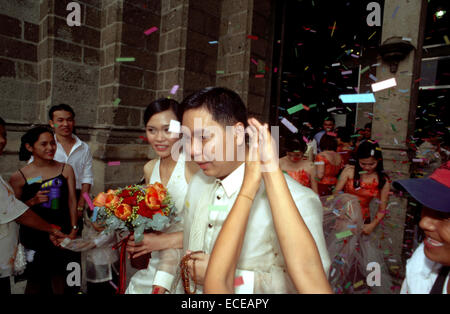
(175, 175)
(301, 170)
(367, 181)
(329, 163)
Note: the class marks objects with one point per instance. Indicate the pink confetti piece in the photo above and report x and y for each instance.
(238, 281)
(151, 30)
(259, 75)
(331, 134)
(275, 70)
(88, 200)
(254, 61)
(174, 89)
(347, 72)
(112, 284)
(114, 163)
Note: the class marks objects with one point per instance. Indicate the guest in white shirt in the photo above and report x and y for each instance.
(70, 149)
(213, 191)
(13, 211)
(427, 271)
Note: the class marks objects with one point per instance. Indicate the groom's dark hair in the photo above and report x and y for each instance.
(225, 106)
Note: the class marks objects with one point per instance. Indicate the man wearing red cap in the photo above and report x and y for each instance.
(427, 271)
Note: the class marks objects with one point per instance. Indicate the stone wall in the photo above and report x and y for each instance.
(44, 62)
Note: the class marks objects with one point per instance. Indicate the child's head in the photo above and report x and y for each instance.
(38, 142)
(3, 139)
(295, 149)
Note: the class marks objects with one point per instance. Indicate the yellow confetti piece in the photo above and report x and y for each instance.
(446, 40)
(187, 204)
(372, 34)
(307, 67)
(358, 284)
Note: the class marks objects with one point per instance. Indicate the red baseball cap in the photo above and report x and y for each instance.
(432, 192)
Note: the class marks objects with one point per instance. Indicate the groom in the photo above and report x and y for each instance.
(212, 193)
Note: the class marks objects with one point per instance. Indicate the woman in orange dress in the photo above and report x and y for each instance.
(297, 166)
(344, 148)
(329, 163)
(367, 180)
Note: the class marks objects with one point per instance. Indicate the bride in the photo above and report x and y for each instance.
(175, 175)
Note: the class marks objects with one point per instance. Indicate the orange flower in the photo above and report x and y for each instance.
(123, 211)
(161, 190)
(111, 200)
(152, 199)
(100, 199)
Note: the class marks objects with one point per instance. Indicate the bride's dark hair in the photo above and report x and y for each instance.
(161, 105)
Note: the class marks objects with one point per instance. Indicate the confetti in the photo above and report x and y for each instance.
(384, 84)
(253, 37)
(174, 89)
(259, 75)
(334, 27)
(365, 69)
(319, 163)
(88, 200)
(373, 78)
(372, 35)
(295, 109)
(331, 109)
(113, 285)
(131, 59)
(312, 106)
(213, 42)
(358, 284)
(447, 41)
(347, 72)
(175, 126)
(220, 72)
(113, 163)
(362, 172)
(151, 30)
(357, 98)
(395, 11)
(117, 101)
(289, 125)
(238, 281)
(344, 234)
(217, 207)
(351, 226)
(94, 215)
(254, 61)
(335, 64)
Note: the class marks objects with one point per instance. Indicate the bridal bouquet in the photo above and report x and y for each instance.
(135, 208)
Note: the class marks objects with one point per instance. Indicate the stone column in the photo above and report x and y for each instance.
(394, 111)
(19, 75)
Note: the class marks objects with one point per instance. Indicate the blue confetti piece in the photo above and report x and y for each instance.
(94, 215)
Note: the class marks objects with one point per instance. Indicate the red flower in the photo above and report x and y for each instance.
(130, 200)
(124, 193)
(144, 210)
